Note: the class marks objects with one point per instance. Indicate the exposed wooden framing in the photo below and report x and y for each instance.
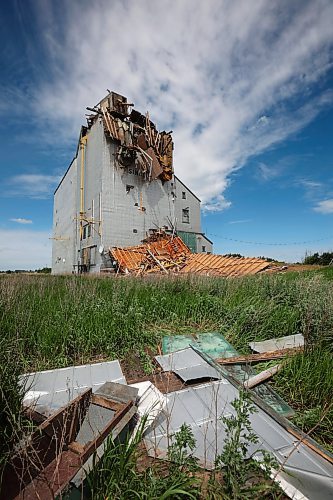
(43, 446)
(157, 261)
(51, 479)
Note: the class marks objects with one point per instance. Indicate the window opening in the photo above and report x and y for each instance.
(186, 215)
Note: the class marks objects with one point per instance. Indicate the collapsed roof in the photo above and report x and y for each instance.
(165, 253)
(138, 140)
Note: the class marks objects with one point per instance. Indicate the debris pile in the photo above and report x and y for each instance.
(139, 142)
(159, 253)
(75, 409)
(165, 253)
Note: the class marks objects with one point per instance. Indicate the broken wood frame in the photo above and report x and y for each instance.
(51, 457)
(258, 358)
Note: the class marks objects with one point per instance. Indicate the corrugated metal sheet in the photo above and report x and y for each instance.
(280, 343)
(189, 239)
(52, 389)
(188, 365)
(201, 408)
(218, 265)
(216, 346)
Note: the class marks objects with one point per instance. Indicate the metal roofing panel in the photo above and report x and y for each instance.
(61, 385)
(188, 365)
(201, 406)
(280, 343)
(216, 346)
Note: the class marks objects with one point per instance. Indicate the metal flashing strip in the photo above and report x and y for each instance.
(290, 341)
(51, 389)
(188, 365)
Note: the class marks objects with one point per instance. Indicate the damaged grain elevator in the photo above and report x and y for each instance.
(118, 189)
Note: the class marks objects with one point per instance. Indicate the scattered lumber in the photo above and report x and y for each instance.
(257, 358)
(262, 376)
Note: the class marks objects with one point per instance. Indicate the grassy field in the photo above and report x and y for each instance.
(49, 322)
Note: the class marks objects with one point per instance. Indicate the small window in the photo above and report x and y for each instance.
(84, 234)
(203, 248)
(186, 215)
(184, 195)
(135, 230)
(128, 188)
(89, 230)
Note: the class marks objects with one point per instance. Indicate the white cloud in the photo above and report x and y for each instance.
(324, 207)
(24, 249)
(20, 220)
(242, 221)
(35, 186)
(230, 78)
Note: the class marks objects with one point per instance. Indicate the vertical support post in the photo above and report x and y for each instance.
(83, 143)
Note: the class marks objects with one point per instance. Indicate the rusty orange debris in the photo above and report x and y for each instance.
(158, 253)
(164, 253)
(219, 265)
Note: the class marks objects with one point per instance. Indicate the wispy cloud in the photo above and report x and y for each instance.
(36, 186)
(20, 220)
(324, 207)
(266, 172)
(24, 249)
(242, 221)
(230, 78)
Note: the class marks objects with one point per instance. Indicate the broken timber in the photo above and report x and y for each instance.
(46, 463)
(262, 376)
(257, 358)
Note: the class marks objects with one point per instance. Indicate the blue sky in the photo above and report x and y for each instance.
(245, 86)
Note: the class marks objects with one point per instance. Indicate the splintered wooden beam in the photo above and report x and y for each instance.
(257, 358)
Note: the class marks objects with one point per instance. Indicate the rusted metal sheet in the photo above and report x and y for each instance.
(219, 265)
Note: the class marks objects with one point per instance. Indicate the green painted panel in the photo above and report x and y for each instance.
(189, 239)
(216, 346)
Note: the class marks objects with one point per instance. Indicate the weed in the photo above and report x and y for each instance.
(117, 476)
(242, 474)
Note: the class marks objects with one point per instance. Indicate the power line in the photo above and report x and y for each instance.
(269, 244)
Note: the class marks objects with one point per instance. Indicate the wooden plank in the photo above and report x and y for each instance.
(257, 358)
(106, 403)
(262, 376)
(157, 261)
(44, 444)
(57, 475)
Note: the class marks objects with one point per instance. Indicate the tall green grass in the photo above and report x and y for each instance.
(55, 321)
(49, 321)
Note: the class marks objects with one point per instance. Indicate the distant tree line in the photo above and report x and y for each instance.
(323, 259)
(239, 255)
(43, 270)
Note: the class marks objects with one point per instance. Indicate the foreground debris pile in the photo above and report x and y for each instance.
(139, 141)
(165, 253)
(75, 409)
